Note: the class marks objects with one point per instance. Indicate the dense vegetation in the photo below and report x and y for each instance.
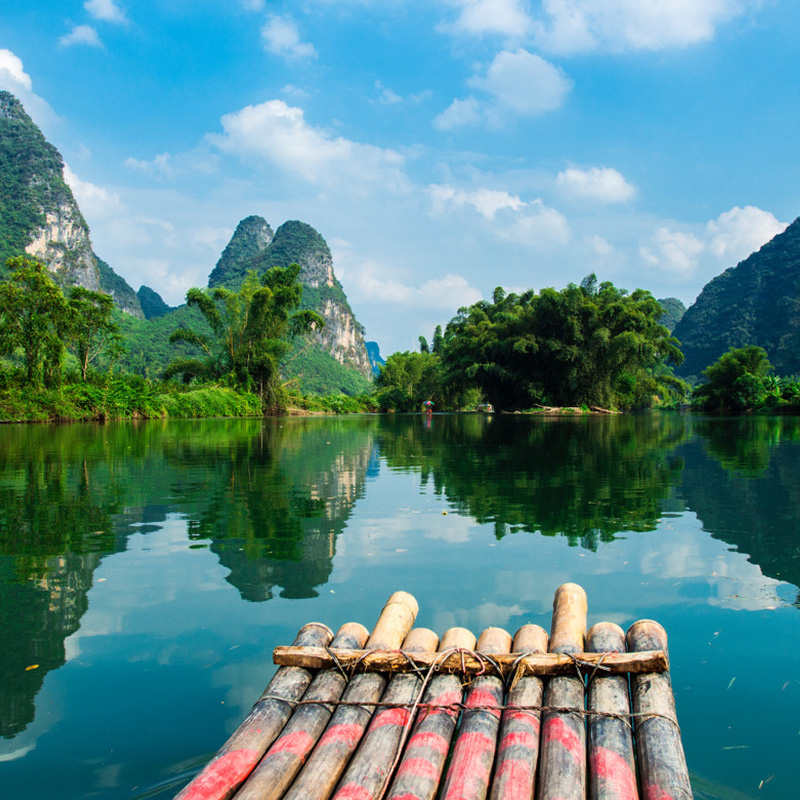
(60, 351)
(740, 381)
(250, 336)
(251, 236)
(674, 310)
(152, 303)
(756, 302)
(591, 344)
(31, 177)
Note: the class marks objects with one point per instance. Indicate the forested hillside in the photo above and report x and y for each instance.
(757, 302)
(39, 215)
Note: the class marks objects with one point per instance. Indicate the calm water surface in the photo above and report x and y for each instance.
(148, 570)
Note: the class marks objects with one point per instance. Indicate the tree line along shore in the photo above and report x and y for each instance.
(587, 347)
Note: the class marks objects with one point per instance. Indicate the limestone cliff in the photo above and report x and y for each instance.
(297, 242)
(38, 212)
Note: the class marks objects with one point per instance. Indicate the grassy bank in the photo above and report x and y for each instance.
(124, 397)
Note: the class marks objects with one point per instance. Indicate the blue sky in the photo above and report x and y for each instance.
(442, 148)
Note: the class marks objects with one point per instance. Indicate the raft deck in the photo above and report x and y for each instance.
(400, 714)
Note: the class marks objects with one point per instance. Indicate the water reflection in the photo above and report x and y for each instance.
(584, 478)
(271, 499)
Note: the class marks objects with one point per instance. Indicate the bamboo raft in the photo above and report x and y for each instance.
(400, 715)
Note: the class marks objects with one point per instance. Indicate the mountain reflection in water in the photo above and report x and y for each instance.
(272, 501)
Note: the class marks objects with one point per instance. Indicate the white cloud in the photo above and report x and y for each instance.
(459, 114)
(168, 166)
(517, 83)
(735, 234)
(530, 223)
(524, 82)
(388, 96)
(603, 184)
(478, 17)
(81, 34)
(570, 26)
(94, 201)
(724, 241)
(281, 37)
(278, 134)
(107, 10)
(673, 251)
(14, 79)
(486, 201)
(371, 282)
(538, 226)
(601, 246)
(12, 74)
(253, 5)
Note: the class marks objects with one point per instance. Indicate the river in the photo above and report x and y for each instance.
(147, 570)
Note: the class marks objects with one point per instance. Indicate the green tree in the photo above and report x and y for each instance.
(592, 344)
(251, 331)
(735, 382)
(33, 316)
(408, 379)
(91, 330)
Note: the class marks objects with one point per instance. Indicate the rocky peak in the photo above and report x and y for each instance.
(38, 212)
(297, 242)
(252, 235)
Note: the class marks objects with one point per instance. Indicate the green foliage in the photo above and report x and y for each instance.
(735, 382)
(757, 302)
(311, 370)
(407, 380)
(90, 328)
(116, 286)
(33, 317)
(152, 303)
(589, 344)
(249, 239)
(250, 332)
(31, 177)
(674, 310)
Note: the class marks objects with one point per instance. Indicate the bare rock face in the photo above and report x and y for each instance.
(297, 242)
(62, 243)
(38, 212)
(343, 337)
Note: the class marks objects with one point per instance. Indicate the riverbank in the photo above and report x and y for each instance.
(132, 397)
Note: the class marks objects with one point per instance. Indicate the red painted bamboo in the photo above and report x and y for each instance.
(562, 770)
(663, 774)
(612, 769)
(279, 767)
(518, 745)
(473, 753)
(421, 767)
(329, 758)
(370, 768)
(223, 775)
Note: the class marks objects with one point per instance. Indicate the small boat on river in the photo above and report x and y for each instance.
(402, 714)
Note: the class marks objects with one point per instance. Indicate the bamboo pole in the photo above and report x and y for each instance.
(473, 752)
(279, 767)
(236, 758)
(562, 772)
(370, 768)
(518, 745)
(421, 767)
(662, 763)
(612, 769)
(468, 664)
(329, 759)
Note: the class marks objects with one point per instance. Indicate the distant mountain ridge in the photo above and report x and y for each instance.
(755, 302)
(39, 216)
